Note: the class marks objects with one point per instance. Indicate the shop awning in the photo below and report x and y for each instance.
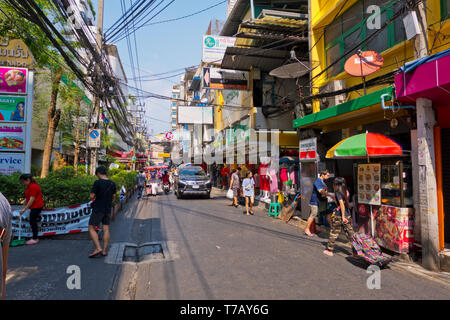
(244, 59)
(359, 111)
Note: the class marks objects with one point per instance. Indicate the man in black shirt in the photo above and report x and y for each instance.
(103, 192)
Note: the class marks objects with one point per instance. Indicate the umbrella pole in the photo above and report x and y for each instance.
(371, 220)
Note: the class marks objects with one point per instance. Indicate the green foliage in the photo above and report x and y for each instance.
(63, 188)
(35, 170)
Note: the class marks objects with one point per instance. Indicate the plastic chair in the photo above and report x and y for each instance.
(274, 209)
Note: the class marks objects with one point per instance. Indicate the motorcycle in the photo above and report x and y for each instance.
(166, 188)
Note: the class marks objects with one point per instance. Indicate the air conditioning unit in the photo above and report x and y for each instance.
(335, 100)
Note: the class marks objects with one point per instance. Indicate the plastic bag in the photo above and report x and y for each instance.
(230, 194)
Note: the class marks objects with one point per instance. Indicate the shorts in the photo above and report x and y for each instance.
(98, 217)
(314, 211)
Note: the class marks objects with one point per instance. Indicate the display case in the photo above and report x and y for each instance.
(396, 184)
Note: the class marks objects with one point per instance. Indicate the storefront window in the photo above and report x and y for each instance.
(394, 178)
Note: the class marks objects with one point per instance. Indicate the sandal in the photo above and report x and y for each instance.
(309, 235)
(95, 255)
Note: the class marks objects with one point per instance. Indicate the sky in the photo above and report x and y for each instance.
(165, 47)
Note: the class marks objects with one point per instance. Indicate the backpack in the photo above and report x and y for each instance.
(368, 249)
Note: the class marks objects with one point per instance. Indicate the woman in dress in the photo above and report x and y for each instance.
(248, 185)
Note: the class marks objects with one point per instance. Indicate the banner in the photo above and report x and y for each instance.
(54, 221)
(215, 78)
(12, 137)
(13, 80)
(12, 108)
(11, 162)
(369, 180)
(214, 48)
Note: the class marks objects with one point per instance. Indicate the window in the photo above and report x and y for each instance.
(174, 113)
(174, 104)
(343, 37)
(174, 121)
(445, 9)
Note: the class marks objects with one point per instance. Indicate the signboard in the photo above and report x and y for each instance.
(14, 53)
(12, 108)
(215, 78)
(394, 228)
(13, 80)
(195, 115)
(169, 136)
(12, 137)
(163, 155)
(308, 149)
(369, 179)
(55, 221)
(94, 138)
(214, 48)
(11, 162)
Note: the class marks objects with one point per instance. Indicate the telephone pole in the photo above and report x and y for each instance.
(96, 111)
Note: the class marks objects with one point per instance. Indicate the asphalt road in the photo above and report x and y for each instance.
(210, 251)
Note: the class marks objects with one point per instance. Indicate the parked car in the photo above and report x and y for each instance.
(192, 180)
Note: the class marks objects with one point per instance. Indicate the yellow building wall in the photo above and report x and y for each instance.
(322, 14)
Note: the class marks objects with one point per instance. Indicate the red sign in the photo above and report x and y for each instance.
(169, 136)
(364, 63)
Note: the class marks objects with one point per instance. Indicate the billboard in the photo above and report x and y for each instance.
(215, 78)
(195, 115)
(214, 48)
(12, 137)
(12, 108)
(13, 80)
(11, 162)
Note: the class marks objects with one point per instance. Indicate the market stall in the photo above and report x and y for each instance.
(383, 189)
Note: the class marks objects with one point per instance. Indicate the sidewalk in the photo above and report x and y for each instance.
(399, 261)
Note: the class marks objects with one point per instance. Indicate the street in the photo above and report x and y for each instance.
(209, 251)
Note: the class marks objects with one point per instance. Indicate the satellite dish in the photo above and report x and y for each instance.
(364, 63)
(292, 70)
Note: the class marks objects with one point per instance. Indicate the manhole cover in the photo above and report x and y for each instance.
(143, 253)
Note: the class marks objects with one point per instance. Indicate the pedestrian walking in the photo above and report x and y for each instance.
(103, 192)
(320, 193)
(224, 172)
(248, 185)
(341, 217)
(235, 185)
(34, 202)
(5, 238)
(140, 182)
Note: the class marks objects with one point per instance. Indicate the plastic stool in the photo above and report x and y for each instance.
(274, 209)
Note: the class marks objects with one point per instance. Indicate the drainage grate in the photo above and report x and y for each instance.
(142, 253)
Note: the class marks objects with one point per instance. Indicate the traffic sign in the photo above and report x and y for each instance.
(94, 138)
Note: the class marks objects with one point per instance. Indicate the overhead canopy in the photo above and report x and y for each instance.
(244, 58)
(364, 110)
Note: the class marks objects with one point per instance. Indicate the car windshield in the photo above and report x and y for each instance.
(192, 171)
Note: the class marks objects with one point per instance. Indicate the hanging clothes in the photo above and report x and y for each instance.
(293, 173)
(272, 173)
(284, 175)
(264, 181)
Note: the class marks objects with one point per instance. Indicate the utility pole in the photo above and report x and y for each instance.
(423, 161)
(96, 111)
(134, 144)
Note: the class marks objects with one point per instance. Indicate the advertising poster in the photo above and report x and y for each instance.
(308, 149)
(12, 108)
(54, 221)
(214, 48)
(13, 80)
(394, 228)
(369, 181)
(12, 137)
(214, 78)
(11, 162)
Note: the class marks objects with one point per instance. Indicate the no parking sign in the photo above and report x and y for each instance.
(94, 138)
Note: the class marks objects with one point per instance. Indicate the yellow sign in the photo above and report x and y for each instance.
(163, 155)
(15, 53)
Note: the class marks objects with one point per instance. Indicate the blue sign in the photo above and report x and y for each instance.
(94, 134)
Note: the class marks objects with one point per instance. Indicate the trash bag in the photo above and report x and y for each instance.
(230, 194)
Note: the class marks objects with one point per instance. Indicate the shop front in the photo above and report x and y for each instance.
(355, 140)
(409, 88)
